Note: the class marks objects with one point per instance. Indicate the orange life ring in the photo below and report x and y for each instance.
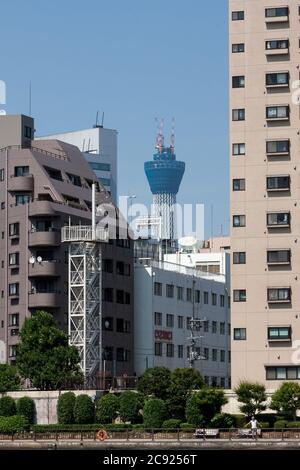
(102, 435)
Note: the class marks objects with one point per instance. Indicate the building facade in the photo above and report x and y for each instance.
(164, 311)
(100, 149)
(45, 185)
(264, 157)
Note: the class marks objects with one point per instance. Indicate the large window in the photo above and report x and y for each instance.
(13, 289)
(239, 334)
(158, 349)
(280, 295)
(14, 229)
(179, 293)
(169, 320)
(238, 149)
(22, 199)
(157, 288)
(277, 44)
(282, 373)
(278, 256)
(237, 15)
(214, 355)
(239, 257)
(123, 326)
(158, 319)
(100, 166)
(239, 184)
(123, 355)
(279, 333)
(13, 259)
(21, 170)
(278, 147)
(239, 221)
(238, 81)
(277, 79)
(236, 48)
(54, 173)
(169, 290)
(170, 350)
(13, 319)
(239, 295)
(278, 219)
(277, 112)
(74, 179)
(275, 183)
(276, 12)
(238, 114)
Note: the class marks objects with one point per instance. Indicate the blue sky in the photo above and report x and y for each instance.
(134, 60)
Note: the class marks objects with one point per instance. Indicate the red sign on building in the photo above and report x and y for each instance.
(163, 335)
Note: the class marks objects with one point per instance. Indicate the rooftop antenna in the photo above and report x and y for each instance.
(159, 136)
(172, 144)
(102, 121)
(30, 98)
(96, 125)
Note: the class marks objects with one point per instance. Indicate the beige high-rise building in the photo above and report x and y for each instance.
(265, 190)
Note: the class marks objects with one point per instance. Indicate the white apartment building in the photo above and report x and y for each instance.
(163, 309)
(100, 148)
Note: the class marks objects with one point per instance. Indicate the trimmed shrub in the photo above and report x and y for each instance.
(293, 424)
(281, 423)
(155, 412)
(26, 408)
(187, 426)
(130, 405)
(7, 406)
(84, 410)
(65, 408)
(138, 426)
(264, 424)
(171, 424)
(203, 405)
(223, 420)
(107, 408)
(13, 424)
(79, 427)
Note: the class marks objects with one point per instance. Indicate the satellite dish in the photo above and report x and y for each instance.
(187, 241)
(39, 259)
(32, 260)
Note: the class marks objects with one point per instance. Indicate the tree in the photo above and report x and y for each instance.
(7, 406)
(9, 379)
(65, 408)
(155, 381)
(202, 406)
(107, 408)
(287, 399)
(26, 408)
(130, 405)
(155, 413)
(253, 396)
(183, 381)
(44, 356)
(84, 410)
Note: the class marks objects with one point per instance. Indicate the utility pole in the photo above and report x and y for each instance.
(195, 325)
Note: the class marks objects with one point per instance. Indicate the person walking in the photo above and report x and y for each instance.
(254, 426)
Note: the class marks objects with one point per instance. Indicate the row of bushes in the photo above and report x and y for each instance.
(24, 406)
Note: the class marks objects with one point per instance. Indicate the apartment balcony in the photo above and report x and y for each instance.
(276, 52)
(44, 238)
(21, 183)
(45, 268)
(37, 208)
(44, 300)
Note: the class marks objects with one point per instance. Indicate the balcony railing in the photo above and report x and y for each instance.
(83, 233)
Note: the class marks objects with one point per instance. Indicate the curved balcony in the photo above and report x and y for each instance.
(44, 299)
(44, 238)
(44, 268)
(21, 183)
(41, 208)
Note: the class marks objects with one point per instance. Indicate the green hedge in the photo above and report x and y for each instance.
(240, 420)
(154, 413)
(12, 424)
(187, 426)
(7, 406)
(223, 420)
(107, 408)
(65, 408)
(26, 408)
(171, 424)
(84, 410)
(79, 427)
(281, 423)
(293, 424)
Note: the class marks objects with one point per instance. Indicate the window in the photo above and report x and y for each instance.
(206, 380)
(158, 349)
(74, 179)
(13, 259)
(108, 353)
(238, 149)
(127, 298)
(189, 294)
(277, 44)
(278, 256)
(180, 321)
(13, 350)
(120, 268)
(277, 112)
(169, 320)
(53, 173)
(13, 289)
(239, 257)
(205, 298)
(238, 48)
(275, 219)
(180, 351)
(2, 205)
(28, 132)
(239, 295)
(2, 174)
(22, 199)
(283, 373)
(222, 300)
(123, 355)
(238, 81)
(276, 12)
(275, 183)
(213, 299)
(239, 221)
(222, 382)
(108, 294)
(229, 356)
(237, 15)
(188, 322)
(280, 147)
(179, 293)
(157, 288)
(277, 79)
(108, 265)
(222, 328)
(100, 166)
(214, 327)
(206, 326)
(123, 326)
(238, 185)
(108, 323)
(281, 294)
(14, 319)
(169, 290)
(206, 353)
(222, 355)
(239, 334)
(214, 355)
(197, 296)
(279, 333)
(21, 170)
(105, 181)
(170, 350)
(238, 115)
(127, 269)
(158, 318)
